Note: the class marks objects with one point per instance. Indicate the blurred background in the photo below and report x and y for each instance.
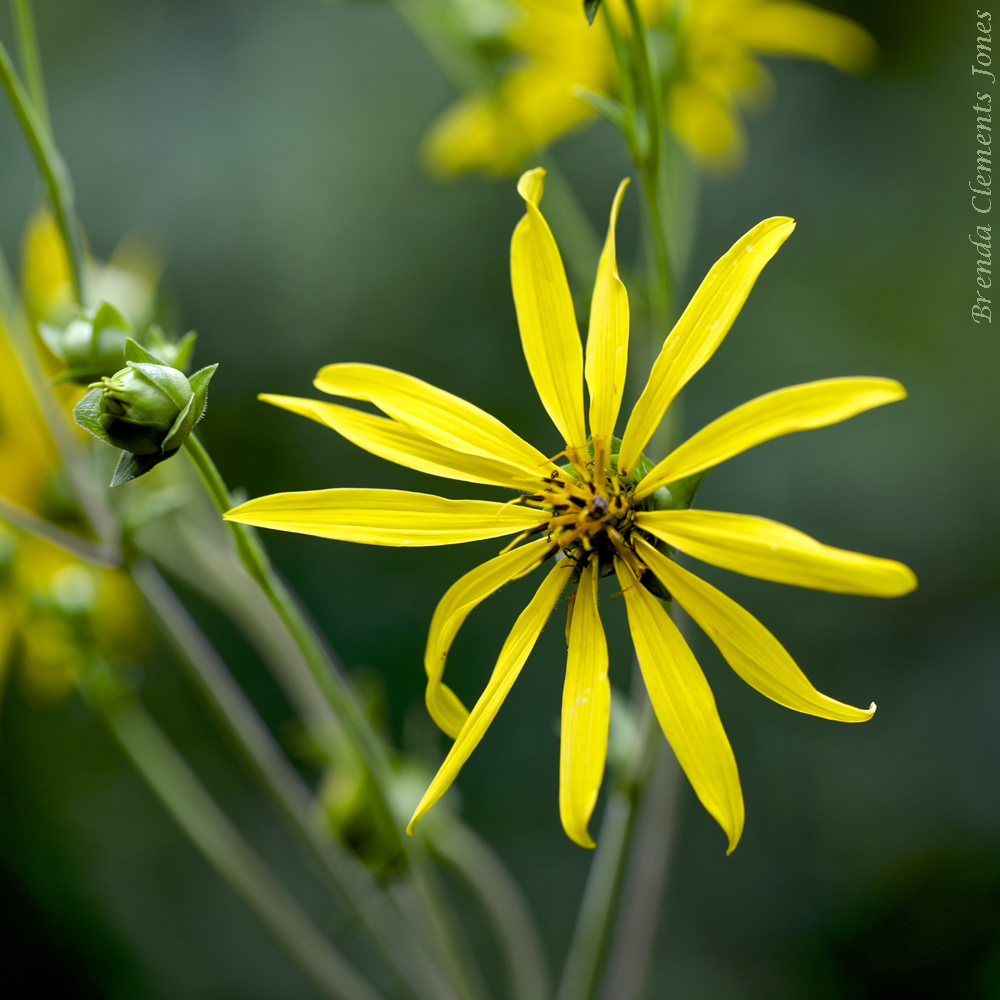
(270, 150)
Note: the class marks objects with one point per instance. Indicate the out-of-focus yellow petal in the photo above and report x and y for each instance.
(706, 123)
(396, 442)
(772, 551)
(797, 408)
(798, 29)
(684, 706)
(515, 651)
(441, 416)
(700, 330)
(586, 712)
(27, 453)
(46, 281)
(607, 337)
(385, 517)
(549, 334)
(461, 597)
(748, 647)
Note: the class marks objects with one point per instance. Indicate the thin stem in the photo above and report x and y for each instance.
(31, 64)
(94, 553)
(52, 168)
(645, 877)
(648, 92)
(593, 922)
(333, 687)
(504, 903)
(284, 785)
(222, 845)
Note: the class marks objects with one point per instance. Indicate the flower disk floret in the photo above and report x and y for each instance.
(606, 509)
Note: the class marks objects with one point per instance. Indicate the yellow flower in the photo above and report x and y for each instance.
(607, 510)
(714, 71)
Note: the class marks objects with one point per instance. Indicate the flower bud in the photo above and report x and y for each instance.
(92, 346)
(140, 405)
(147, 409)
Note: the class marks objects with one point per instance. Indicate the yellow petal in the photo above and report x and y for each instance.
(684, 706)
(445, 418)
(586, 712)
(607, 337)
(748, 647)
(396, 442)
(461, 597)
(515, 651)
(797, 408)
(549, 334)
(772, 551)
(798, 29)
(700, 330)
(385, 517)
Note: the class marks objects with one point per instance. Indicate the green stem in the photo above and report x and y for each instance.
(593, 921)
(52, 168)
(645, 877)
(283, 783)
(94, 553)
(31, 64)
(504, 903)
(648, 92)
(210, 830)
(333, 687)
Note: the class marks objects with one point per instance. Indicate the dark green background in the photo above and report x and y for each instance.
(270, 147)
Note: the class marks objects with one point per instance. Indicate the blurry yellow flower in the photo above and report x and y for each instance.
(714, 71)
(46, 281)
(608, 510)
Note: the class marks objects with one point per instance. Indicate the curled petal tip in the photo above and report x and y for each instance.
(871, 709)
(531, 185)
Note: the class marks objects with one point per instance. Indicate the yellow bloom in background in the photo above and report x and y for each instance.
(607, 510)
(714, 72)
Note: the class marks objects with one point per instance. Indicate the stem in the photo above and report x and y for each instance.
(333, 687)
(283, 783)
(324, 670)
(504, 903)
(31, 64)
(648, 92)
(594, 918)
(52, 167)
(210, 830)
(642, 890)
(94, 553)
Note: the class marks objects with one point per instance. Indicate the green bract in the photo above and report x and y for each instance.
(147, 409)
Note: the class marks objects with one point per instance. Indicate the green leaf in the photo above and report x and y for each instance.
(199, 386)
(108, 316)
(87, 414)
(134, 351)
(131, 466)
(606, 107)
(182, 426)
(184, 350)
(590, 9)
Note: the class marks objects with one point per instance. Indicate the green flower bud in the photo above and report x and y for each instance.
(140, 405)
(92, 346)
(147, 409)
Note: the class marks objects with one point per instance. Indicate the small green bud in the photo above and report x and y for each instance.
(92, 346)
(140, 405)
(147, 409)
